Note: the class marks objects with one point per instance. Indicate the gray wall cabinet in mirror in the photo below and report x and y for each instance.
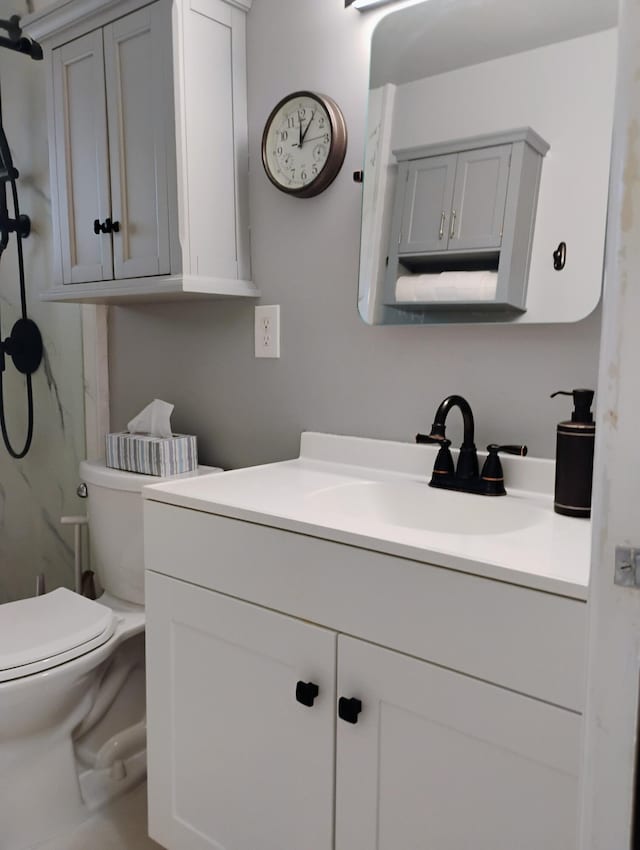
(464, 206)
(443, 71)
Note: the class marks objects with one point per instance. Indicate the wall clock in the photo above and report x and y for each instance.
(304, 143)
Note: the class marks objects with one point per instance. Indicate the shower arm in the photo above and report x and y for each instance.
(12, 26)
(16, 41)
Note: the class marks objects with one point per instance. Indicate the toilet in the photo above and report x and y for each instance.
(72, 710)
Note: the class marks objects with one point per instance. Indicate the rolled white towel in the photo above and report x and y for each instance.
(447, 286)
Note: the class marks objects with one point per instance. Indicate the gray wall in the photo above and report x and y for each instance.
(336, 374)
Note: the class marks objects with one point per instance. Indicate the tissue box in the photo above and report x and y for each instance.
(152, 455)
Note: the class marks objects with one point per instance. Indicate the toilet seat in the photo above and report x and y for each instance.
(42, 632)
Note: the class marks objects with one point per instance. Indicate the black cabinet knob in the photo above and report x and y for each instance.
(306, 692)
(349, 709)
(107, 226)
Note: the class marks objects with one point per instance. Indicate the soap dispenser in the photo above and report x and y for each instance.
(574, 457)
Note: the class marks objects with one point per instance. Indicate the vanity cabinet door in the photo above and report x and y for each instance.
(236, 762)
(442, 761)
(136, 49)
(427, 204)
(479, 198)
(81, 165)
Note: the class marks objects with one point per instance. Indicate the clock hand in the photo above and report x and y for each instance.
(303, 136)
(313, 139)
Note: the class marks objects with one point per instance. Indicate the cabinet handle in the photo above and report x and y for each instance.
(441, 231)
(349, 709)
(306, 692)
(107, 226)
(452, 232)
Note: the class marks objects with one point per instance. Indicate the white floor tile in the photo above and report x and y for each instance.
(120, 826)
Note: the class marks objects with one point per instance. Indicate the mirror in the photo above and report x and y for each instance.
(447, 78)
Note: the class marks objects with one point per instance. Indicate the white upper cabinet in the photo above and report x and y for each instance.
(148, 149)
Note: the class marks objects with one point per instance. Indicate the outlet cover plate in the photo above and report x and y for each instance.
(267, 330)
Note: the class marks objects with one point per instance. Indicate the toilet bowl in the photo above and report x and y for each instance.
(72, 713)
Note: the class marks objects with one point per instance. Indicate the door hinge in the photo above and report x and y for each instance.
(627, 572)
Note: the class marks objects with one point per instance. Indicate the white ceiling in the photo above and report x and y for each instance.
(441, 35)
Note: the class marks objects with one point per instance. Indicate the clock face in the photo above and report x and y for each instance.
(304, 144)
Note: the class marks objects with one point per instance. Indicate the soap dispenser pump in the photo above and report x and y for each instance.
(574, 457)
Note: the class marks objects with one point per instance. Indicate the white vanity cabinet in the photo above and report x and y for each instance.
(451, 680)
(148, 149)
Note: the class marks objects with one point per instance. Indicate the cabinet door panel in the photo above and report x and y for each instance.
(439, 761)
(81, 159)
(235, 762)
(135, 48)
(479, 198)
(425, 217)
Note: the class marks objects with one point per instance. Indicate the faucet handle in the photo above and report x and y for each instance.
(492, 474)
(430, 438)
(444, 462)
(510, 450)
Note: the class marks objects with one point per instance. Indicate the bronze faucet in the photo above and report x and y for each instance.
(465, 476)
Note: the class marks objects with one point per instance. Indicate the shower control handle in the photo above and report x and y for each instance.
(107, 226)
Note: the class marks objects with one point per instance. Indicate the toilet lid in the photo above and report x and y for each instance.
(43, 631)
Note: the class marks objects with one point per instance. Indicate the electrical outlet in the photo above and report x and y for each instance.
(267, 331)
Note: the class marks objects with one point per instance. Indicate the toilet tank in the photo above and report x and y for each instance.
(115, 526)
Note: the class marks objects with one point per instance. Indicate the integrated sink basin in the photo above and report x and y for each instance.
(375, 495)
(415, 505)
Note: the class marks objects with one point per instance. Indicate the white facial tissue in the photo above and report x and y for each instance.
(154, 419)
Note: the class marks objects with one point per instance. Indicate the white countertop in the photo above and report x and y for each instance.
(552, 553)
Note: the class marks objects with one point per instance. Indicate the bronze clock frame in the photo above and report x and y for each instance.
(337, 149)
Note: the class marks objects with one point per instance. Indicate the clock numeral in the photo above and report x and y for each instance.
(284, 136)
(302, 113)
(303, 175)
(279, 150)
(326, 138)
(321, 123)
(314, 170)
(291, 122)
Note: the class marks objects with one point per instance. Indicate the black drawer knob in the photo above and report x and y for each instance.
(349, 709)
(306, 692)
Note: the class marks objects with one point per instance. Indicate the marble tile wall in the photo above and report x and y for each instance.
(36, 491)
